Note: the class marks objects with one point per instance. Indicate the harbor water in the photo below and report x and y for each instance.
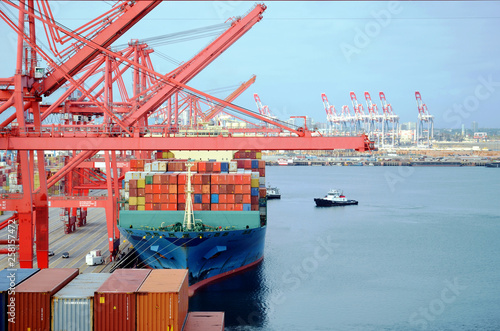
(421, 251)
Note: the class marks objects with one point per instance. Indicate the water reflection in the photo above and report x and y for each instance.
(241, 297)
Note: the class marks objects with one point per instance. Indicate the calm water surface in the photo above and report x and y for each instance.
(421, 251)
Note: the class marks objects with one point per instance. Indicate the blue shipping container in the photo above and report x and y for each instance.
(247, 207)
(215, 198)
(10, 277)
(254, 191)
(197, 198)
(224, 167)
(255, 164)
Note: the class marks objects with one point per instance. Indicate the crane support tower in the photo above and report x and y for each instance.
(390, 124)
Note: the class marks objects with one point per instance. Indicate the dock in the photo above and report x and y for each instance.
(78, 244)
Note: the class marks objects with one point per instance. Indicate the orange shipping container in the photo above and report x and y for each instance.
(202, 166)
(181, 198)
(157, 198)
(230, 206)
(205, 198)
(230, 198)
(197, 179)
(214, 188)
(197, 188)
(238, 189)
(33, 298)
(247, 179)
(214, 206)
(172, 188)
(247, 189)
(149, 206)
(181, 178)
(149, 189)
(216, 167)
(231, 179)
(181, 189)
(214, 179)
(172, 179)
(222, 198)
(149, 198)
(205, 189)
(164, 189)
(238, 179)
(197, 206)
(156, 179)
(164, 206)
(115, 300)
(238, 206)
(222, 206)
(247, 198)
(222, 179)
(162, 300)
(164, 179)
(172, 198)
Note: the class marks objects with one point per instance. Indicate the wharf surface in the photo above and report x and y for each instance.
(78, 244)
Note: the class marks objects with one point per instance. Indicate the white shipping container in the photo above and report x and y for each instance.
(262, 181)
(163, 166)
(233, 166)
(147, 167)
(155, 166)
(255, 175)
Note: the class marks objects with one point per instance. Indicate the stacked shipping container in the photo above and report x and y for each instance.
(160, 185)
(205, 321)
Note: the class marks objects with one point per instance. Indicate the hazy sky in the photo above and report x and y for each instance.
(449, 51)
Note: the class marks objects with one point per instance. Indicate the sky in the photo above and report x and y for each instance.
(448, 51)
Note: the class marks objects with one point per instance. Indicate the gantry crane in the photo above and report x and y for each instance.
(390, 123)
(425, 123)
(123, 124)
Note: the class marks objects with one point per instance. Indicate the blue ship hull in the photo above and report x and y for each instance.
(207, 255)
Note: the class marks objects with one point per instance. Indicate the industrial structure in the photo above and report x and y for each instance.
(100, 130)
(425, 124)
(382, 128)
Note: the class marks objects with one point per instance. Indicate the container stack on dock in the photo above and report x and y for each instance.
(160, 185)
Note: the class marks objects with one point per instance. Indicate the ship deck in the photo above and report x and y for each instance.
(78, 244)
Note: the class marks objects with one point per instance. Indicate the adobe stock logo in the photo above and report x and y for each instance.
(364, 37)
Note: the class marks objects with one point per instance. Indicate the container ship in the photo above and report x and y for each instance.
(208, 217)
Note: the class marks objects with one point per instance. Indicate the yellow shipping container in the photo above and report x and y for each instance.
(141, 183)
(141, 207)
(141, 201)
(132, 201)
(258, 155)
(255, 182)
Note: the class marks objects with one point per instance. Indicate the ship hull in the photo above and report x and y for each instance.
(328, 203)
(209, 255)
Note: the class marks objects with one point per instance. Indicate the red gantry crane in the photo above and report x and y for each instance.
(94, 119)
(425, 123)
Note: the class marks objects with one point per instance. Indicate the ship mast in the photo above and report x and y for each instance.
(188, 212)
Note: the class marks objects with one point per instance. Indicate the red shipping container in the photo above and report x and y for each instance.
(238, 179)
(33, 298)
(230, 198)
(164, 189)
(157, 198)
(230, 206)
(181, 198)
(115, 301)
(238, 189)
(205, 189)
(132, 207)
(133, 164)
(164, 206)
(214, 188)
(214, 179)
(222, 189)
(230, 189)
(240, 163)
(156, 206)
(197, 179)
(172, 179)
(194, 168)
(231, 179)
(222, 198)
(205, 198)
(149, 198)
(247, 189)
(222, 206)
(214, 206)
(223, 179)
(209, 167)
(197, 206)
(262, 172)
(216, 167)
(181, 178)
(149, 206)
(172, 198)
(181, 189)
(205, 206)
(262, 192)
(204, 321)
(262, 164)
(238, 206)
(181, 206)
(247, 198)
(149, 189)
(205, 179)
(238, 198)
(254, 207)
(156, 188)
(132, 192)
(247, 179)
(197, 188)
(164, 179)
(141, 192)
(254, 200)
(202, 166)
(173, 206)
(132, 183)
